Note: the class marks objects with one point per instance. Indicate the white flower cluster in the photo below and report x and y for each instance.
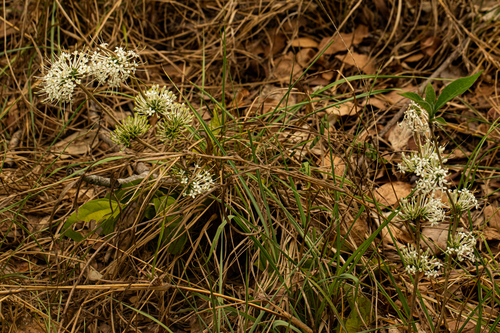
(113, 67)
(70, 69)
(202, 181)
(420, 263)
(427, 166)
(422, 207)
(63, 75)
(129, 129)
(176, 117)
(157, 101)
(462, 246)
(463, 199)
(416, 119)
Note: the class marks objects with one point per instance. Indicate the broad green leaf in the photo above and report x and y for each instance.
(357, 301)
(441, 120)
(456, 88)
(419, 100)
(430, 95)
(97, 210)
(76, 236)
(413, 96)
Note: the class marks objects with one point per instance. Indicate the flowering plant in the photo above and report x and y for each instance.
(81, 69)
(425, 204)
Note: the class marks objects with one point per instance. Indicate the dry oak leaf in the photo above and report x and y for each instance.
(491, 234)
(344, 41)
(286, 66)
(304, 56)
(344, 109)
(394, 97)
(79, 143)
(399, 136)
(435, 238)
(304, 42)
(361, 61)
(492, 216)
(389, 194)
(338, 163)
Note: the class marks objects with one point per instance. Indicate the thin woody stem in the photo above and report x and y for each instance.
(112, 116)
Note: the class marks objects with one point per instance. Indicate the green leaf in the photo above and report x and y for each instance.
(357, 301)
(456, 88)
(413, 96)
(419, 100)
(430, 95)
(215, 123)
(97, 210)
(441, 120)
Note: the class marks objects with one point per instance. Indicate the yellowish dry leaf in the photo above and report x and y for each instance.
(304, 42)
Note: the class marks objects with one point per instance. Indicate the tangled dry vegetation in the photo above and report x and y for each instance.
(298, 126)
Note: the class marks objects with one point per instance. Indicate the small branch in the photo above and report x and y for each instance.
(107, 181)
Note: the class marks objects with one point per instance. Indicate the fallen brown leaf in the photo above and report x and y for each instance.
(430, 45)
(414, 57)
(344, 109)
(492, 216)
(435, 238)
(344, 41)
(304, 42)
(287, 66)
(78, 143)
(338, 164)
(361, 61)
(389, 194)
(304, 56)
(399, 136)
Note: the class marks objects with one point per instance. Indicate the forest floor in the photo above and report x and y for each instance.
(277, 207)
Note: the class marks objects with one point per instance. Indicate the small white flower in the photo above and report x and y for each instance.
(427, 167)
(157, 101)
(202, 181)
(113, 67)
(463, 199)
(129, 129)
(415, 118)
(422, 207)
(420, 263)
(63, 75)
(175, 121)
(462, 246)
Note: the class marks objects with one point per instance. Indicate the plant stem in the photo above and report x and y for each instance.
(112, 116)
(416, 278)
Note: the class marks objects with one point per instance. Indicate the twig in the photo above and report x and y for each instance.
(107, 181)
